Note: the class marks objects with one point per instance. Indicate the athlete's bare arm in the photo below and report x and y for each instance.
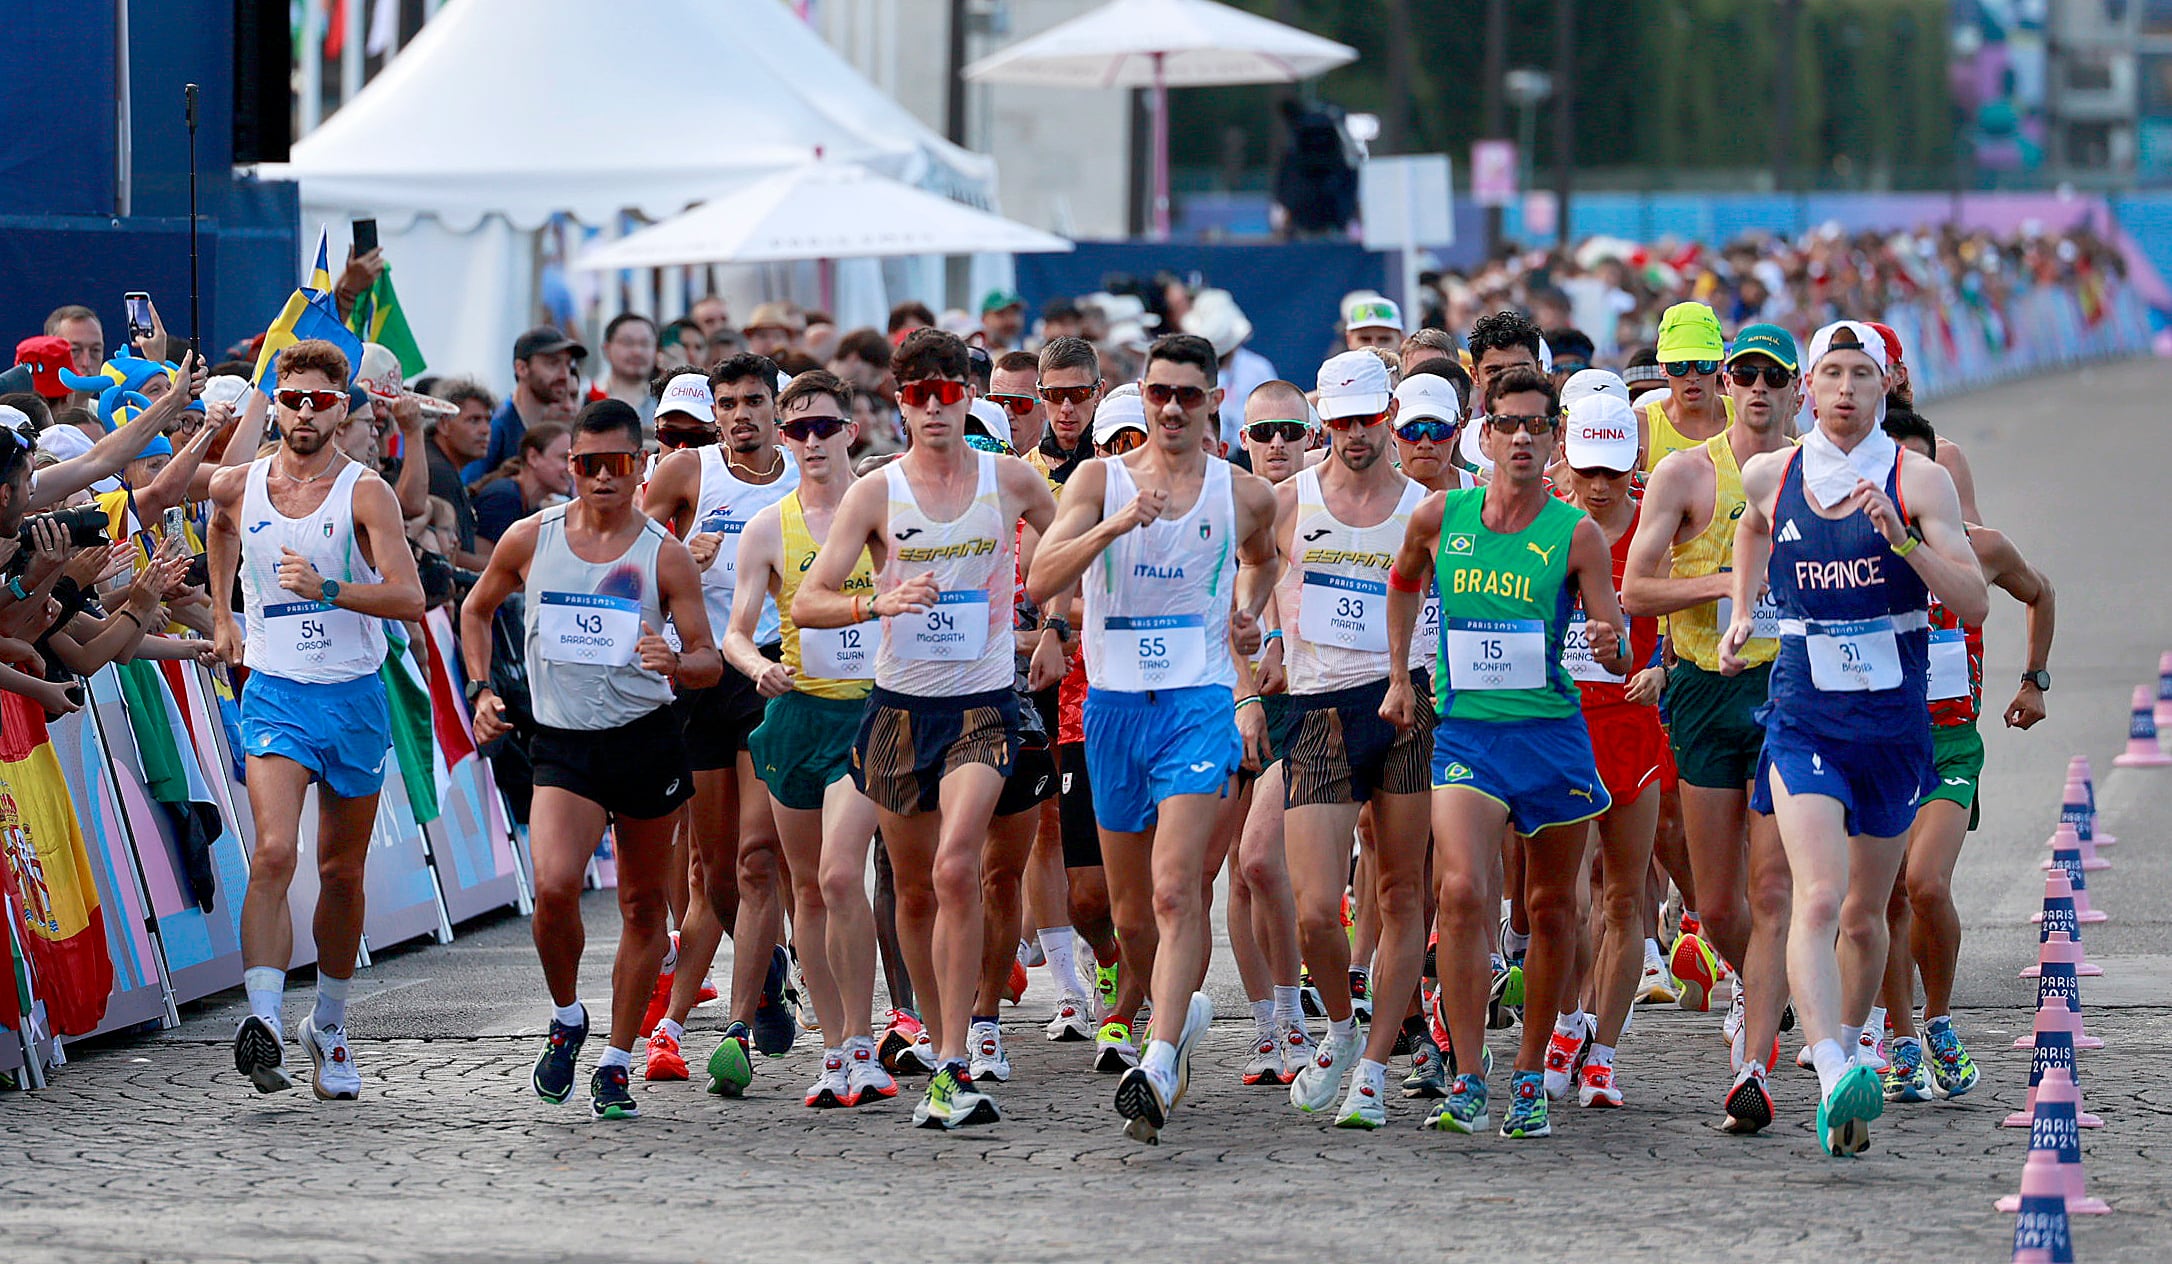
(760, 575)
(1945, 561)
(1406, 594)
(383, 530)
(1678, 484)
(672, 491)
(2006, 568)
(224, 559)
(1753, 550)
(1079, 533)
(1955, 462)
(242, 445)
(678, 583)
(1259, 561)
(862, 522)
(1591, 569)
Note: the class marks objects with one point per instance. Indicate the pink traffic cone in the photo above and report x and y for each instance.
(2142, 751)
(2069, 859)
(2077, 807)
(2163, 712)
(2041, 1232)
(2054, 1049)
(2055, 1130)
(2060, 994)
(2080, 764)
(2066, 836)
(2058, 911)
(2057, 950)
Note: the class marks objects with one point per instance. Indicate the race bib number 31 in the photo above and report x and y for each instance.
(1154, 651)
(1495, 653)
(588, 628)
(1340, 611)
(954, 630)
(1853, 657)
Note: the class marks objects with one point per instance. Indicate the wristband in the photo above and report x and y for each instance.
(1254, 700)
(1905, 547)
(1273, 634)
(130, 615)
(1399, 584)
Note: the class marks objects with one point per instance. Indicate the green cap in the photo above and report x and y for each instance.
(1690, 331)
(997, 300)
(1765, 340)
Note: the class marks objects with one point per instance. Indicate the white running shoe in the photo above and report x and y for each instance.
(833, 1085)
(1114, 1053)
(1735, 1015)
(1266, 1064)
(260, 1055)
(988, 1060)
(334, 1078)
(1073, 1020)
(1316, 1085)
(1198, 1017)
(865, 1080)
(1870, 1048)
(1297, 1049)
(1364, 1107)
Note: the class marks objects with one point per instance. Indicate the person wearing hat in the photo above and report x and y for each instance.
(1690, 353)
(1428, 413)
(773, 329)
(44, 357)
(1848, 752)
(1901, 395)
(1002, 321)
(545, 364)
(1678, 567)
(1215, 316)
(1368, 320)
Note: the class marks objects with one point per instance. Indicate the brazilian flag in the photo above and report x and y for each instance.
(376, 317)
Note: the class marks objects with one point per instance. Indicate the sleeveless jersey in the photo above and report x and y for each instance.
(1333, 596)
(312, 642)
(1599, 687)
(725, 505)
(825, 662)
(1662, 439)
(1505, 607)
(1956, 669)
(1158, 598)
(961, 645)
(1854, 626)
(583, 623)
(1696, 631)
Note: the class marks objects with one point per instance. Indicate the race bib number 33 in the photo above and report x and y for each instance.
(1341, 611)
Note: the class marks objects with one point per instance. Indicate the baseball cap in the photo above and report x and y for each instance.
(687, 393)
(226, 388)
(379, 373)
(1427, 396)
(1601, 434)
(997, 300)
(1690, 331)
(1371, 311)
(775, 316)
(46, 355)
(1847, 335)
(1118, 412)
(1587, 382)
(1892, 342)
(1765, 340)
(1353, 384)
(986, 417)
(544, 339)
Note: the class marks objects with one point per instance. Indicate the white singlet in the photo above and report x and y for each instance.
(311, 642)
(963, 644)
(1158, 599)
(725, 505)
(1333, 596)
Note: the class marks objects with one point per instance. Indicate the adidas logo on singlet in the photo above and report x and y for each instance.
(1789, 532)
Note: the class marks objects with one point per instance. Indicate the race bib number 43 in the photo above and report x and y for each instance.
(588, 628)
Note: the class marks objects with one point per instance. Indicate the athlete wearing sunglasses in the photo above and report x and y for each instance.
(1695, 409)
(1069, 386)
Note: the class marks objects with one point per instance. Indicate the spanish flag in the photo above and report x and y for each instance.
(305, 316)
(48, 871)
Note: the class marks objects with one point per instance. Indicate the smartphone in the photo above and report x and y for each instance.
(177, 522)
(139, 314)
(365, 236)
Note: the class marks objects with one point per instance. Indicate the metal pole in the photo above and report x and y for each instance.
(1564, 114)
(1161, 149)
(954, 83)
(1496, 114)
(1783, 97)
(196, 320)
(124, 156)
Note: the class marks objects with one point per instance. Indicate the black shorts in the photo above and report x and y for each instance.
(908, 743)
(638, 770)
(1032, 781)
(1341, 751)
(1075, 809)
(718, 720)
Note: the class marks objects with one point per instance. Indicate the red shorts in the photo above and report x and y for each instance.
(1629, 747)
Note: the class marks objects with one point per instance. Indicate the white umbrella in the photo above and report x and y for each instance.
(1163, 44)
(823, 210)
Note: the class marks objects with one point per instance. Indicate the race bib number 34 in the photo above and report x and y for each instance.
(1341, 611)
(1495, 653)
(955, 630)
(588, 628)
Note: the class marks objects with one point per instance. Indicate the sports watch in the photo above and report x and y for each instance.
(331, 592)
(2040, 678)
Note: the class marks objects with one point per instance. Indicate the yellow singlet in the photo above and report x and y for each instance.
(800, 548)
(1661, 438)
(1695, 631)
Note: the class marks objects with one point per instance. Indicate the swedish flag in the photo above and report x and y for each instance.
(306, 315)
(319, 280)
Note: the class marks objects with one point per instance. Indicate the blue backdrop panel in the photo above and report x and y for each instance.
(56, 116)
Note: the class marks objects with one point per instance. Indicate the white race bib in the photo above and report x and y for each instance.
(1425, 638)
(1576, 655)
(1764, 616)
(1949, 664)
(303, 634)
(724, 571)
(1853, 657)
(588, 628)
(954, 630)
(846, 653)
(1347, 613)
(1496, 653)
(1154, 652)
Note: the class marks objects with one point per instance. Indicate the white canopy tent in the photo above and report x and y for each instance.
(503, 114)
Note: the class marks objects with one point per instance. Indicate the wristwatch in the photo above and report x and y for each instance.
(1060, 625)
(331, 592)
(476, 689)
(16, 589)
(2041, 678)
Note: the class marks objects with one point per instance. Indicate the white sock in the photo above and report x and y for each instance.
(1263, 1015)
(676, 1031)
(1344, 1030)
(1601, 1055)
(1060, 946)
(1652, 959)
(1570, 1024)
(1876, 1022)
(671, 955)
(1831, 1062)
(574, 1015)
(331, 1008)
(1850, 1038)
(615, 1056)
(265, 986)
(1516, 944)
(1160, 1058)
(1374, 1073)
(1288, 1011)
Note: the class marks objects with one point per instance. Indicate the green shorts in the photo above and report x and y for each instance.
(1957, 754)
(1712, 724)
(804, 744)
(1281, 723)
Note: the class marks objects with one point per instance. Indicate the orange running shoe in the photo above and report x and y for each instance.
(1696, 966)
(1014, 989)
(665, 1060)
(659, 1003)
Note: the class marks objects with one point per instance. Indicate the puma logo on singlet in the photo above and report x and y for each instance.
(1314, 535)
(907, 534)
(1545, 555)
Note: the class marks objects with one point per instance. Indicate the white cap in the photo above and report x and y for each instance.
(1467, 445)
(1216, 317)
(1641, 398)
(1601, 434)
(688, 393)
(1427, 396)
(1354, 384)
(226, 388)
(1116, 413)
(1546, 357)
(990, 416)
(1593, 382)
(1853, 335)
(65, 442)
(1371, 311)
(379, 373)
(15, 419)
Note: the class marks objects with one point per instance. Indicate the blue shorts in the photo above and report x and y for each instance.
(1878, 783)
(1542, 771)
(1142, 748)
(341, 733)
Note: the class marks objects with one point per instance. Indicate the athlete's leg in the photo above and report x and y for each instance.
(1244, 945)
(760, 924)
(1267, 879)
(1897, 982)
(1317, 841)
(1364, 894)
(563, 830)
(1763, 970)
(1048, 895)
(1670, 848)
(1813, 832)
(848, 823)
(644, 872)
(1400, 835)
(968, 796)
(1002, 886)
(1713, 827)
(1181, 840)
(799, 833)
(897, 977)
(910, 843)
(1127, 865)
(276, 788)
(1467, 829)
(1553, 872)
(343, 843)
(1873, 866)
(1625, 848)
(678, 883)
(713, 837)
(1941, 828)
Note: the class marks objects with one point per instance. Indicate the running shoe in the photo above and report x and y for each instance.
(1696, 968)
(1465, 1109)
(1014, 988)
(1657, 986)
(1364, 1106)
(1906, 1078)
(1689, 924)
(1144, 1103)
(989, 1062)
(952, 1102)
(1266, 1064)
(1308, 996)
(731, 1067)
(666, 1061)
(1428, 1069)
(258, 1054)
(1320, 1081)
(1870, 1048)
(608, 1096)
(1844, 1114)
(1787, 1016)
(1732, 1024)
(833, 1086)
(906, 1049)
(1595, 1086)
(554, 1070)
(1527, 1107)
(1073, 1020)
(865, 1080)
(1031, 952)
(1297, 1049)
(1953, 1072)
(1361, 995)
(708, 991)
(774, 1029)
(1562, 1054)
(1505, 996)
(1106, 979)
(659, 1002)
(796, 1002)
(1114, 1053)
(1198, 1017)
(333, 1077)
(1749, 1102)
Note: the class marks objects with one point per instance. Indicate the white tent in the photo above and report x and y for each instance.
(504, 113)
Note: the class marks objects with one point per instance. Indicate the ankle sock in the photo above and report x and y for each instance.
(331, 1008)
(265, 986)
